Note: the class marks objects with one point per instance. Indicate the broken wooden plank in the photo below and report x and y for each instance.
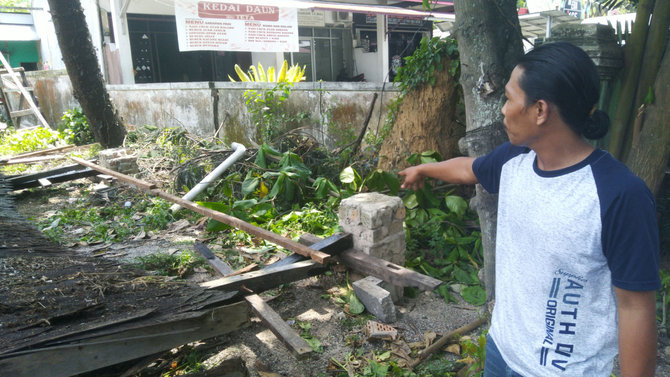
(92, 354)
(297, 345)
(385, 270)
(259, 281)
(217, 264)
(216, 215)
(126, 178)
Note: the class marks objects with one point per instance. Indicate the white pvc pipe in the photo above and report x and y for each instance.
(200, 187)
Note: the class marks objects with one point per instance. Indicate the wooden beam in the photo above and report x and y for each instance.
(262, 280)
(91, 354)
(32, 181)
(385, 270)
(297, 345)
(331, 245)
(216, 215)
(44, 174)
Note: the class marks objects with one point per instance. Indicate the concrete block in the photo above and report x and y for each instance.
(392, 248)
(377, 300)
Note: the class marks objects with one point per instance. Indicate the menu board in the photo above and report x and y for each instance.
(223, 26)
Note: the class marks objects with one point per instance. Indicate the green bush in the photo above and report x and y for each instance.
(75, 127)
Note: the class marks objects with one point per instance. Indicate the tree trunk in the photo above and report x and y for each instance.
(650, 153)
(489, 44)
(426, 121)
(634, 51)
(81, 63)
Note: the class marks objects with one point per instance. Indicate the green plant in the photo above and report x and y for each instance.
(420, 68)
(165, 264)
(474, 355)
(305, 333)
(12, 4)
(441, 239)
(292, 74)
(28, 140)
(265, 105)
(189, 363)
(112, 222)
(74, 125)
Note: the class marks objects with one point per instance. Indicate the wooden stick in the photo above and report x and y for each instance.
(298, 346)
(126, 178)
(40, 152)
(31, 160)
(449, 337)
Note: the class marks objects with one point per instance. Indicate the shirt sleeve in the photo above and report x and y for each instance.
(487, 168)
(630, 236)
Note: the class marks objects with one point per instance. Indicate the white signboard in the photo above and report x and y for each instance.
(311, 18)
(229, 26)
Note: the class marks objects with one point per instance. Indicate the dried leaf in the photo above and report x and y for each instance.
(141, 235)
(453, 348)
(429, 338)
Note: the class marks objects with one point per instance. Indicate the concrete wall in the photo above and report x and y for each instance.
(332, 112)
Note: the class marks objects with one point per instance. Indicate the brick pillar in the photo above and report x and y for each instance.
(376, 224)
(118, 159)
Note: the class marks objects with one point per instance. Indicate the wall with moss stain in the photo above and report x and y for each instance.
(334, 112)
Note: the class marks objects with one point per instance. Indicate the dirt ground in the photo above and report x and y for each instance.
(344, 342)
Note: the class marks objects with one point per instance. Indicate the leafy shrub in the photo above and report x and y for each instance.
(28, 140)
(74, 125)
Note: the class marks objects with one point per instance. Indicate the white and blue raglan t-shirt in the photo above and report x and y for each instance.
(565, 238)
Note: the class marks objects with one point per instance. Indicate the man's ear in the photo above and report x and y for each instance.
(542, 110)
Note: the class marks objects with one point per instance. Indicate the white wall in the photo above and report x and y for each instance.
(49, 49)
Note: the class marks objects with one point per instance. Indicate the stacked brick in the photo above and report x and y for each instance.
(117, 159)
(376, 224)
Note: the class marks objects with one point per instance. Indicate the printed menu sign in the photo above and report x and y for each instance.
(219, 26)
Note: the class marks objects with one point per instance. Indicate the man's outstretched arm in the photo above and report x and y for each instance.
(455, 170)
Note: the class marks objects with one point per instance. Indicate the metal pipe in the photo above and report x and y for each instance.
(202, 185)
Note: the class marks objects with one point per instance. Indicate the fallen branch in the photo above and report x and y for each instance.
(449, 337)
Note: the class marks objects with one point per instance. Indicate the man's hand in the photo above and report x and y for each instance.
(638, 336)
(456, 170)
(413, 178)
